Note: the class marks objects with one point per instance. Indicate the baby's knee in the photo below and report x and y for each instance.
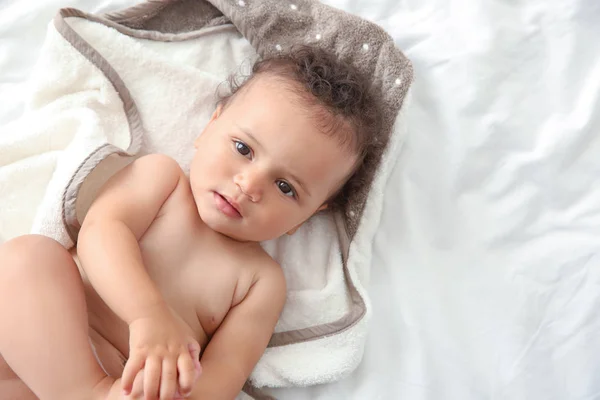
(32, 254)
(11, 386)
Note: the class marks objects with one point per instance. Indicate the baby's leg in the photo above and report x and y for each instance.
(11, 387)
(44, 338)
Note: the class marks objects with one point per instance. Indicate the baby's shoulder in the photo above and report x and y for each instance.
(260, 273)
(155, 172)
(262, 261)
(269, 273)
(156, 162)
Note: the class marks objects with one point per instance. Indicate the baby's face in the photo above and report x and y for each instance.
(262, 167)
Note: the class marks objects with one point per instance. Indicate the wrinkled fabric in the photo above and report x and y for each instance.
(486, 277)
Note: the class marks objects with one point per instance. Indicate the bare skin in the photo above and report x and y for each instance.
(202, 278)
(170, 268)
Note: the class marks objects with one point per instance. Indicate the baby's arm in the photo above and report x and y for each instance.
(108, 248)
(108, 240)
(242, 338)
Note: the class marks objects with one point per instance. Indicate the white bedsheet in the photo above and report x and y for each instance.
(486, 279)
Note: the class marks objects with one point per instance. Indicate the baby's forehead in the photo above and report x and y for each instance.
(325, 121)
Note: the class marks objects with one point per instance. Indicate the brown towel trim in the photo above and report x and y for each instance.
(69, 215)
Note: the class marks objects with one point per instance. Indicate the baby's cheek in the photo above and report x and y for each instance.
(212, 161)
(284, 220)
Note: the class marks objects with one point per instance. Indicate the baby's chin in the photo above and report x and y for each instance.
(234, 234)
(238, 231)
(240, 235)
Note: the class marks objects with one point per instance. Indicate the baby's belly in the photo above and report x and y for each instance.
(109, 334)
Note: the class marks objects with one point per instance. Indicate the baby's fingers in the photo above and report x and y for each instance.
(133, 366)
(168, 380)
(187, 373)
(195, 353)
(152, 378)
(137, 391)
(185, 367)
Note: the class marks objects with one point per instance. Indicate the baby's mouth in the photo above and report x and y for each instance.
(227, 206)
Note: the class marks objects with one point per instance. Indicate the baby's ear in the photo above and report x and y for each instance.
(216, 113)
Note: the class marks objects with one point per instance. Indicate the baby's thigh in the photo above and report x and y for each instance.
(11, 387)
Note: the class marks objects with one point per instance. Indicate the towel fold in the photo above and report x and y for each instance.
(110, 88)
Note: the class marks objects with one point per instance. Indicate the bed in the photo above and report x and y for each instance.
(486, 275)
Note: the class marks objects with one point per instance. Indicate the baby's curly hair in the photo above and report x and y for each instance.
(338, 96)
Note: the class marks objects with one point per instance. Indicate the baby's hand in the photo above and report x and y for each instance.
(168, 355)
(137, 392)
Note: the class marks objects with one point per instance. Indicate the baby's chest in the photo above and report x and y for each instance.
(199, 288)
(196, 276)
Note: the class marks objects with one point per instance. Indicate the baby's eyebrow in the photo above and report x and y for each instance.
(302, 185)
(249, 134)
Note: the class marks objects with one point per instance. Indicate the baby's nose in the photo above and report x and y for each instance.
(251, 184)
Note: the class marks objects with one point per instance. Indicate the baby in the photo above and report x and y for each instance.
(168, 272)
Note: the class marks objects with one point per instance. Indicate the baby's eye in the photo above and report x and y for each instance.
(242, 148)
(286, 188)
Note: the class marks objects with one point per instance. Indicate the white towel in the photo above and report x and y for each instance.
(104, 93)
